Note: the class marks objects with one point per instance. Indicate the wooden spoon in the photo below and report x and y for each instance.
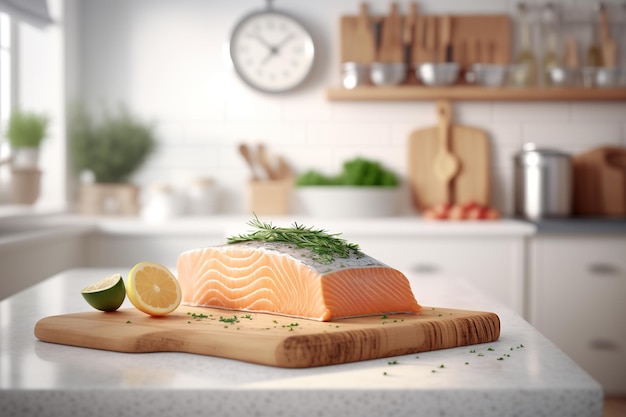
(247, 155)
(266, 164)
(446, 165)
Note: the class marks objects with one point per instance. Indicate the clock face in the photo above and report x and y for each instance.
(271, 51)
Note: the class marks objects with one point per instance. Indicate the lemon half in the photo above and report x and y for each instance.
(107, 294)
(153, 289)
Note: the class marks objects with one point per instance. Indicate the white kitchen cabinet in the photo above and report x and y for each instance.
(495, 264)
(29, 256)
(578, 300)
(125, 250)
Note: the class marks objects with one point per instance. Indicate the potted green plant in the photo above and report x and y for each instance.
(25, 132)
(364, 188)
(110, 150)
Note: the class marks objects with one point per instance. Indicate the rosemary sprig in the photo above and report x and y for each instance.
(325, 246)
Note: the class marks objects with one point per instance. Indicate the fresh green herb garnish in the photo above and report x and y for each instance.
(395, 362)
(128, 322)
(197, 316)
(230, 320)
(291, 326)
(325, 246)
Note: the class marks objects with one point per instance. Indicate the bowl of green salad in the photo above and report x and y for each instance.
(363, 188)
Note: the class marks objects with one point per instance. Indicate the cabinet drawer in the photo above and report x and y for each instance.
(578, 288)
(495, 265)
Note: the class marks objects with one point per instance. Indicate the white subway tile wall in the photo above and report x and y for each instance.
(165, 60)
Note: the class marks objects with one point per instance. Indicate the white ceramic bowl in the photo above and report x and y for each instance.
(488, 75)
(345, 201)
(601, 77)
(562, 76)
(436, 75)
(387, 73)
(354, 74)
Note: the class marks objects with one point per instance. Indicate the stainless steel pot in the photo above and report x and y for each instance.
(543, 183)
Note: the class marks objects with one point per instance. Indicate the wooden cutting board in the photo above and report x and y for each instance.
(470, 145)
(357, 38)
(600, 182)
(270, 339)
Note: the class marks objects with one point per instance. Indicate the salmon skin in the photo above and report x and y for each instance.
(281, 278)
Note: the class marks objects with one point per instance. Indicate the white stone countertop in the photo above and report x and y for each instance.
(225, 225)
(534, 378)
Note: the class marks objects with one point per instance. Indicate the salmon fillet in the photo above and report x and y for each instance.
(281, 278)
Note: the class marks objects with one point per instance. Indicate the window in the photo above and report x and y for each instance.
(6, 95)
(5, 68)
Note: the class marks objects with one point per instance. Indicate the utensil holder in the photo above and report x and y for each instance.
(269, 197)
(25, 185)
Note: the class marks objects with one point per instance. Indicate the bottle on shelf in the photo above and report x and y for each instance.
(550, 57)
(525, 70)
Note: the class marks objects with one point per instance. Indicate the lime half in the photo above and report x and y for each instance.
(107, 294)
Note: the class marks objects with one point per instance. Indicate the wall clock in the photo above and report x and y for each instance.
(271, 50)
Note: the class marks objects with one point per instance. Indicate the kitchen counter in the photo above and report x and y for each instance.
(226, 225)
(609, 226)
(533, 378)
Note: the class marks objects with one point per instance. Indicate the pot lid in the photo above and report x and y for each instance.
(531, 147)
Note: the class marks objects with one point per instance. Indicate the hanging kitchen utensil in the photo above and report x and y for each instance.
(471, 184)
(445, 39)
(391, 49)
(418, 47)
(408, 30)
(363, 49)
(430, 52)
(445, 163)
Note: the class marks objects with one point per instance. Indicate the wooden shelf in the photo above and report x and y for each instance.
(472, 93)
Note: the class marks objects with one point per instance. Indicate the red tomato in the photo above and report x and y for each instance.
(492, 214)
(457, 212)
(477, 213)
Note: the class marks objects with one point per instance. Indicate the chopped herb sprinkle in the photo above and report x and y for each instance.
(230, 320)
(198, 316)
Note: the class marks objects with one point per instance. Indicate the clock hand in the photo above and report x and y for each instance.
(283, 42)
(275, 50)
(263, 41)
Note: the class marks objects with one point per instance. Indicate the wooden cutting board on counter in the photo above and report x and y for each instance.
(600, 182)
(270, 339)
(472, 181)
